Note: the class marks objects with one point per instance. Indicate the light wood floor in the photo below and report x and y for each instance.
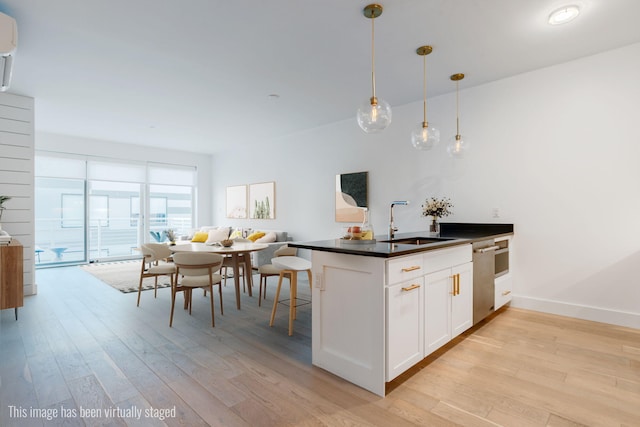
(79, 344)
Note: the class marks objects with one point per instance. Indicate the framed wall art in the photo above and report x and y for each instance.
(351, 196)
(237, 201)
(262, 200)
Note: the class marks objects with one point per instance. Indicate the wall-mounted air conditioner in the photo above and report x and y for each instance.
(8, 44)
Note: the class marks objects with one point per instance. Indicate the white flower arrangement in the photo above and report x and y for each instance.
(437, 208)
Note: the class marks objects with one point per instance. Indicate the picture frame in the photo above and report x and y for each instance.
(236, 202)
(351, 196)
(262, 200)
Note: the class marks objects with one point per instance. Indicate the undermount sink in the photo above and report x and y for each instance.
(417, 240)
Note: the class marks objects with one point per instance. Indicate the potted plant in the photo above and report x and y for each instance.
(2, 200)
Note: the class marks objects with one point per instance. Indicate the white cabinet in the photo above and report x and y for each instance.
(504, 289)
(504, 276)
(448, 306)
(404, 268)
(462, 301)
(404, 326)
(348, 326)
(371, 315)
(437, 307)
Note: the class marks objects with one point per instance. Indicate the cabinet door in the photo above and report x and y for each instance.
(462, 300)
(437, 310)
(404, 326)
(11, 275)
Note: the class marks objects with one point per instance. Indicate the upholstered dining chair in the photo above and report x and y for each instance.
(196, 270)
(155, 263)
(227, 264)
(268, 270)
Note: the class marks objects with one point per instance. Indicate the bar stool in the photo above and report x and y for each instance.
(290, 265)
(268, 270)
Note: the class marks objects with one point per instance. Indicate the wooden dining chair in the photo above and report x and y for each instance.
(196, 270)
(227, 264)
(155, 263)
(242, 261)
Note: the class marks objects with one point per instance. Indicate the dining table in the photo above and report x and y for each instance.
(235, 251)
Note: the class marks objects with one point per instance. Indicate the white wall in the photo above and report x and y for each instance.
(112, 150)
(555, 150)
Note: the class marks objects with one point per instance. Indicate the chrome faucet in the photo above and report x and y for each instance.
(393, 228)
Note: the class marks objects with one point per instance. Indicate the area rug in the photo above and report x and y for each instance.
(123, 276)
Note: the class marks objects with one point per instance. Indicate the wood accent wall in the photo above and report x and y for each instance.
(17, 143)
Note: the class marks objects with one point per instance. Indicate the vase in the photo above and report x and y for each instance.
(434, 228)
(367, 228)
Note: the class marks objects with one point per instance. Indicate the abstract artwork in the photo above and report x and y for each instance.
(351, 196)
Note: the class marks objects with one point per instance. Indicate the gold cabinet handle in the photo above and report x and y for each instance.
(410, 288)
(504, 293)
(456, 284)
(412, 268)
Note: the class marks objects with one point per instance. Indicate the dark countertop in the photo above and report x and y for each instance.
(452, 234)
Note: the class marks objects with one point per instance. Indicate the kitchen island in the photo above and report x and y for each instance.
(380, 308)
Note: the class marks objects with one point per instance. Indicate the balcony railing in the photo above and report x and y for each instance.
(115, 238)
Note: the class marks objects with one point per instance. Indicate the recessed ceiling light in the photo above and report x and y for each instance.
(564, 14)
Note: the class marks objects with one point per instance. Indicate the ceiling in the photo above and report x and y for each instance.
(196, 75)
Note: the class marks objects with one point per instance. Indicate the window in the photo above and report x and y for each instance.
(72, 210)
(122, 203)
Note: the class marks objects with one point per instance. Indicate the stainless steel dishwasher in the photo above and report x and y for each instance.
(484, 273)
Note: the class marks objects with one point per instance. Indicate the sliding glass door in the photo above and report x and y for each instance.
(60, 221)
(114, 225)
(171, 199)
(100, 210)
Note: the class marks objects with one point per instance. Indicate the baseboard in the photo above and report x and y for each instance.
(585, 312)
(30, 289)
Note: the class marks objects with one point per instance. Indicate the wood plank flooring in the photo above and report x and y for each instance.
(81, 349)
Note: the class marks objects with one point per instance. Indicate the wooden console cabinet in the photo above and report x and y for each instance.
(11, 276)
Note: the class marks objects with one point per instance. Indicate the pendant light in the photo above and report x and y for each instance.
(424, 137)
(457, 146)
(374, 115)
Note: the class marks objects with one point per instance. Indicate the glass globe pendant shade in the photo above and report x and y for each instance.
(425, 137)
(374, 115)
(457, 147)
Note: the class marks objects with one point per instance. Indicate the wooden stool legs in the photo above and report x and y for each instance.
(275, 301)
(293, 296)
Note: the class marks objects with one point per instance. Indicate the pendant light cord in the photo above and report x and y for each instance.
(457, 108)
(373, 63)
(424, 88)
